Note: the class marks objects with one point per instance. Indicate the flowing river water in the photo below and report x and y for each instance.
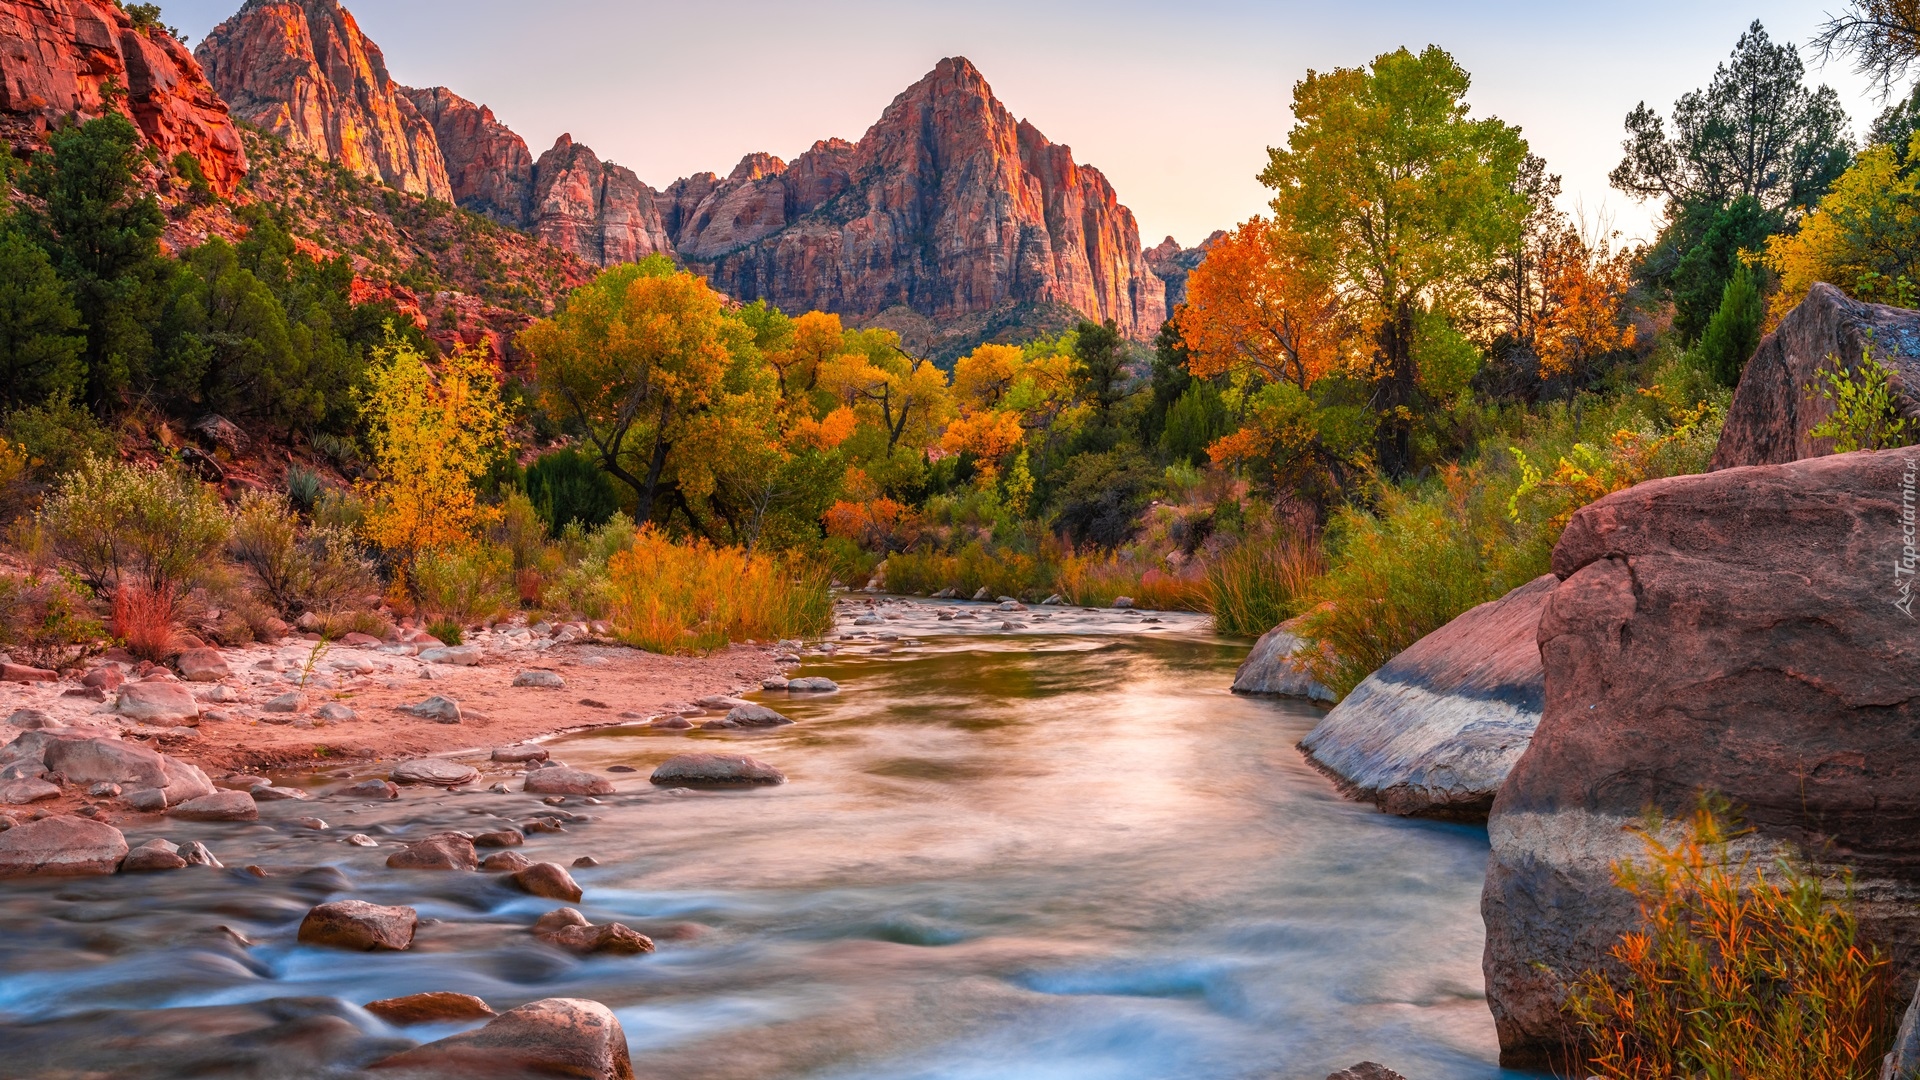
(1059, 851)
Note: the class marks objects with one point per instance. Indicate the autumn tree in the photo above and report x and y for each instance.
(1258, 304)
(906, 397)
(637, 357)
(432, 435)
(1583, 290)
(1404, 199)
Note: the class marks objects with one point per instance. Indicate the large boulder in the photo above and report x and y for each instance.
(552, 1037)
(162, 703)
(1277, 668)
(1903, 1061)
(132, 766)
(360, 926)
(220, 806)
(61, 847)
(1778, 403)
(1435, 732)
(1747, 632)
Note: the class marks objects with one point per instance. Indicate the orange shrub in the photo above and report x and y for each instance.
(144, 618)
(682, 598)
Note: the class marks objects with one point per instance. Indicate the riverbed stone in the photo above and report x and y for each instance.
(272, 793)
(755, 716)
(132, 766)
(360, 926)
(436, 771)
(812, 684)
(196, 854)
(373, 789)
(161, 703)
(32, 720)
(455, 656)
(1739, 633)
(220, 806)
(505, 862)
(447, 851)
(292, 701)
(152, 856)
(564, 781)
(27, 791)
(1277, 667)
(61, 846)
(104, 677)
(557, 920)
(687, 770)
(203, 665)
(517, 755)
(1367, 1070)
(570, 1037)
(541, 680)
(1435, 732)
(438, 708)
(613, 939)
(500, 838)
(21, 673)
(437, 1007)
(549, 881)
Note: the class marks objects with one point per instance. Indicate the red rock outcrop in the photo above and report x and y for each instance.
(1778, 402)
(59, 57)
(489, 168)
(1749, 633)
(595, 209)
(302, 70)
(1436, 731)
(1173, 263)
(948, 206)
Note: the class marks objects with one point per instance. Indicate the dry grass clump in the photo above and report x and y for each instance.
(1741, 971)
(694, 597)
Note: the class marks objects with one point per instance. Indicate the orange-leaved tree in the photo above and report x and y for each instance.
(1583, 286)
(432, 435)
(1259, 304)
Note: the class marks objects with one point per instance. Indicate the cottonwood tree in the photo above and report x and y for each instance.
(1257, 304)
(1405, 199)
(1882, 36)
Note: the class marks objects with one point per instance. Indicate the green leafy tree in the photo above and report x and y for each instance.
(1100, 365)
(1756, 130)
(1734, 332)
(566, 487)
(103, 236)
(41, 345)
(1406, 199)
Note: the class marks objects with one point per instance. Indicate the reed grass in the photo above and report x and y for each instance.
(1258, 585)
(145, 618)
(1740, 971)
(692, 598)
(1096, 581)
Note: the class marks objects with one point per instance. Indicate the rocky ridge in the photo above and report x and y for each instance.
(304, 71)
(64, 58)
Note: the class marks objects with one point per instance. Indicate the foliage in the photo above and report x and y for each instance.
(1099, 580)
(566, 487)
(446, 630)
(146, 619)
(1883, 37)
(1002, 573)
(695, 597)
(430, 439)
(41, 342)
(1756, 131)
(1406, 202)
(1739, 970)
(1583, 286)
(1263, 583)
(1103, 495)
(470, 584)
(1257, 304)
(1589, 473)
(45, 622)
(304, 488)
(1864, 238)
(1734, 331)
(57, 436)
(1866, 412)
(121, 524)
(318, 569)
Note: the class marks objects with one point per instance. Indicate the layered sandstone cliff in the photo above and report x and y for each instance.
(59, 58)
(948, 206)
(302, 70)
(489, 169)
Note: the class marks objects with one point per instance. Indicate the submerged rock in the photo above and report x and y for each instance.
(1276, 667)
(61, 846)
(615, 939)
(356, 924)
(1744, 632)
(220, 806)
(1435, 732)
(447, 851)
(756, 716)
(553, 1037)
(561, 780)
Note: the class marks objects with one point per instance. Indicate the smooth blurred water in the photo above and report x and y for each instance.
(1060, 853)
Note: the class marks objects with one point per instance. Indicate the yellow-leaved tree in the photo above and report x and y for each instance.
(432, 435)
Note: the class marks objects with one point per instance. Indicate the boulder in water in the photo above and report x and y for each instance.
(358, 925)
(749, 715)
(561, 780)
(154, 855)
(548, 881)
(1367, 1070)
(1277, 667)
(61, 846)
(436, 771)
(553, 1037)
(1435, 732)
(447, 851)
(687, 770)
(437, 1007)
(614, 939)
(220, 806)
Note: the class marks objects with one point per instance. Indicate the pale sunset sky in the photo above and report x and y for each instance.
(1174, 102)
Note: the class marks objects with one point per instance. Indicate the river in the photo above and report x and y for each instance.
(1060, 851)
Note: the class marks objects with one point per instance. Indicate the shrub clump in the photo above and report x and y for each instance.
(694, 597)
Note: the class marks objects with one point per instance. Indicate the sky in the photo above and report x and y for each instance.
(1175, 102)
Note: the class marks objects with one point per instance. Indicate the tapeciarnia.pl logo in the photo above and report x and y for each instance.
(1904, 567)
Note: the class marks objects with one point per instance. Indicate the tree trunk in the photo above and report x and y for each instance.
(1393, 395)
(644, 512)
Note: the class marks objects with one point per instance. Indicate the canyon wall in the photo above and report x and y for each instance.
(60, 59)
